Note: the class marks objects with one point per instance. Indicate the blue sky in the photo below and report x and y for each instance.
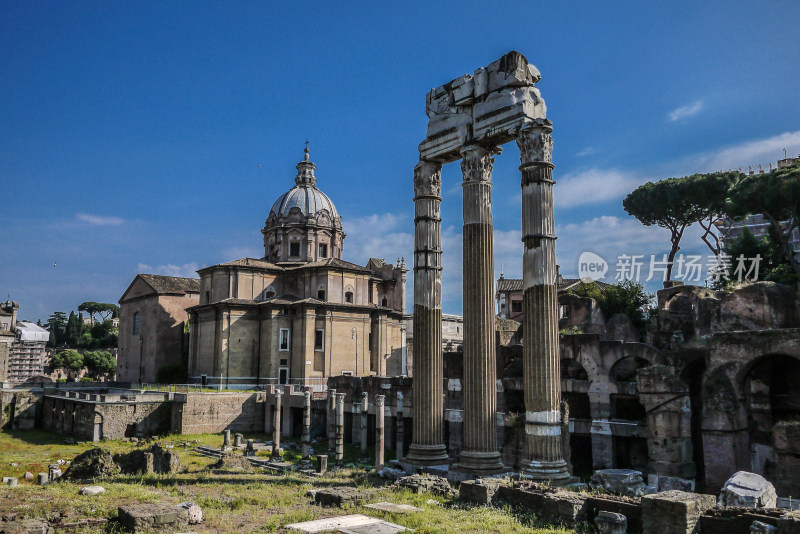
(155, 136)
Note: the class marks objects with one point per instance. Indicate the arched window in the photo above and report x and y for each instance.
(385, 302)
(136, 324)
(321, 293)
(269, 294)
(348, 296)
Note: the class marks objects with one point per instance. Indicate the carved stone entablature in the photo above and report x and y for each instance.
(476, 164)
(490, 106)
(535, 144)
(428, 179)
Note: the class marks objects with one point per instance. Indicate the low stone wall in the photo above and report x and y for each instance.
(84, 419)
(737, 520)
(211, 413)
(18, 409)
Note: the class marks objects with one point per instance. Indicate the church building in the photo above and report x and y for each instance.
(301, 313)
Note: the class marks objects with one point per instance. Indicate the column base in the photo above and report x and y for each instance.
(480, 463)
(535, 470)
(425, 455)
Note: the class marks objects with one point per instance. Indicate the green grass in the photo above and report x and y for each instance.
(248, 502)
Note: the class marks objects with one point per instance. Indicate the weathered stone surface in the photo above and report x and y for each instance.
(29, 475)
(619, 481)
(762, 528)
(478, 491)
(322, 464)
(422, 483)
(10, 481)
(748, 490)
(150, 517)
(154, 460)
(195, 513)
(347, 524)
(338, 496)
(92, 490)
(393, 508)
(232, 462)
(26, 526)
(43, 479)
(611, 523)
(675, 483)
(789, 523)
(674, 512)
(94, 463)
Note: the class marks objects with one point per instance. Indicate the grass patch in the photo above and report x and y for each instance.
(231, 502)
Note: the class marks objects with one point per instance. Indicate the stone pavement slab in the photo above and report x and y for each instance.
(394, 508)
(349, 524)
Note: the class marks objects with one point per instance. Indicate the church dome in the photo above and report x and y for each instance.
(308, 198)
(303, 224)
(304, 195)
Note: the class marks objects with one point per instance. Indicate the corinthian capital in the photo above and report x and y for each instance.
(476, 164)
(428, 179)
(535, 144)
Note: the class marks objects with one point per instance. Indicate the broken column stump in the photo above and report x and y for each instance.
(674, 512)
(611, 523)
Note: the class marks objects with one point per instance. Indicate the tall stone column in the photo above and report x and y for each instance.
(541, 366)
(331, 421)
(276, 427)
(399, 430)
(480, 454)
(427, 447)
(340, 429)
(364, 422)
(379, 433)
(306, 425)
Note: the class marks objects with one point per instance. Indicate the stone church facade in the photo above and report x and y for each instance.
(301, 313)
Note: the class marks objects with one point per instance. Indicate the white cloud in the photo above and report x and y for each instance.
(99, 220)
(588, 151)
(685, 111)
(187, 270)
(593, 186)
(386, 235)
(759, 151)
(610, 237)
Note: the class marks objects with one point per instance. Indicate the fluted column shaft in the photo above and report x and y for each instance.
(307, 425)
(427, 447)
(363, 417)
(331, 421)
(276, 427)
(480, 454)
(541, 367)
(379, 432)
(340, 429)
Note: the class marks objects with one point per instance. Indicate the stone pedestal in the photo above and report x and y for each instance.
(276, 427)
(427, 447)
(226, 438)
(307, 425)
(674, 512)
(480, 454)
(379, 434)
(541, 366)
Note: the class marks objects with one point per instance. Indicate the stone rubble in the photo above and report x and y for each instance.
(625, 482)
(747, 490)
(92, 490)
(422, 483)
